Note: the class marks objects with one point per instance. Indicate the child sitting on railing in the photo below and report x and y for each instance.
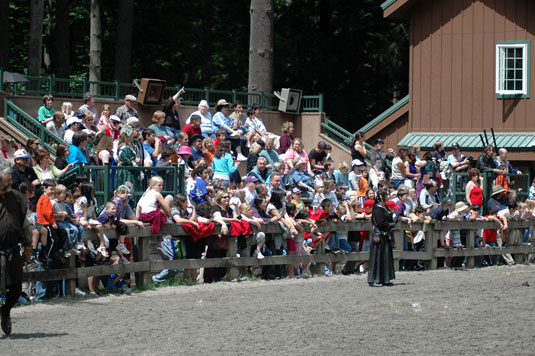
(259, 239)
(75, 233)
(85, 209)
(152, 207)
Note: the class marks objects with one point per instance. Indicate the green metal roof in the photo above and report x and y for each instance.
(384, 114)
(515, 141)
(387, 3)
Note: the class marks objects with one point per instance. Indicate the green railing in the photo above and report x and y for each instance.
(75, 88)
(30, 127)
(107, 178)
(336, 132)
(519, 182)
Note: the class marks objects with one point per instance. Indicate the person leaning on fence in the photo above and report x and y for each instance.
(13, 208)
(486, 163)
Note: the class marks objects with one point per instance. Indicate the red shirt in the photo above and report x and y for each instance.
(490, 235)
(113, 133)
(190, 130)
(319, 214)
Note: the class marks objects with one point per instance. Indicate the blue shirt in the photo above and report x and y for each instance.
(221, 121)
(76, 155)
(150, 151)
(198, 191)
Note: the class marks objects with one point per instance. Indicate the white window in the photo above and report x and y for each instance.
(512, 69)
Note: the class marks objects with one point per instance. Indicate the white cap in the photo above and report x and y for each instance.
(115, 118)
(73, 120)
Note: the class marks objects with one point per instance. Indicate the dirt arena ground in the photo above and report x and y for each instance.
(476, 312)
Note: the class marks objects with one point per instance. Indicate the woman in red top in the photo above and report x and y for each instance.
(474, 193)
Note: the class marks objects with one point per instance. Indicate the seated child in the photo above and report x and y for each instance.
(260, 238)
(109, 219)
(75, 233)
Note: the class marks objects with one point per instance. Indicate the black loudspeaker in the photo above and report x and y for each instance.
(151, 91)
(290, 100)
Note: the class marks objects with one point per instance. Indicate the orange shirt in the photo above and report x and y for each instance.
(362, 187)
(45, 211)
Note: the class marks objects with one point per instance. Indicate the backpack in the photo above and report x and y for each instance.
(172, 249)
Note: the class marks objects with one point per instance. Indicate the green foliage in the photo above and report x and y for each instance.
(344, 49)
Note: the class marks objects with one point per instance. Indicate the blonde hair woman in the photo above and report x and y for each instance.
(160, 130)
(152, 207)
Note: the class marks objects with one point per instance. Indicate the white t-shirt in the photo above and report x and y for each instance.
(148, 202)
(68, 136)
(396, 172)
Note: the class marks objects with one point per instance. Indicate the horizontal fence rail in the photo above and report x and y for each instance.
(145, 265)
(115, 90)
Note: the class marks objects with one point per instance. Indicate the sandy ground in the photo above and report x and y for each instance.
(476, 312)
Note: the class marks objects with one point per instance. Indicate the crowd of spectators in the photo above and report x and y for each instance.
(280, 181)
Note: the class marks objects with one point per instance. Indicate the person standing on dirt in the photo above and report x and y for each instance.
(13, 208)
(381, 263)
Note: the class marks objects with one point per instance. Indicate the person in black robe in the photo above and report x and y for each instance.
(381, 262)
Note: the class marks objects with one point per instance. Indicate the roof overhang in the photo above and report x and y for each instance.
(397, 8)
(472, 141)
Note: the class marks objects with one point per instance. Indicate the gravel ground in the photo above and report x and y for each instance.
(475, 312)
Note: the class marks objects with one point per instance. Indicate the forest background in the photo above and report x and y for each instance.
(344, 49)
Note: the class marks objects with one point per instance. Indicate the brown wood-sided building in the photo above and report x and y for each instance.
(472, 65)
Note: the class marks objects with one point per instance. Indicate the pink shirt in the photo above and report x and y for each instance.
(291, 154)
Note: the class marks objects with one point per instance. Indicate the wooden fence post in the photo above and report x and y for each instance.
(398, 238)
(232, 248)
(470, 245)
(70, 284)
(143, 244)
(431, 244)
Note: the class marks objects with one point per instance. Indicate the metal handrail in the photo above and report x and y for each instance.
(30, 127)
(116, 91)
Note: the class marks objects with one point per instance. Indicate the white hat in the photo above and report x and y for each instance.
(132, 121)
(357, 162)
(73, 120)
(115, 118)
(21, 154)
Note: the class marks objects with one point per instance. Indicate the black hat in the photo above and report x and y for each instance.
(322, 145)
(78, 113)
(194, 138)
(455, 146)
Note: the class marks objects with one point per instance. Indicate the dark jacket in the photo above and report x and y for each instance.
(13, 208)
(485, 164)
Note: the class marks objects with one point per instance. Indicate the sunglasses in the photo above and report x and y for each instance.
(225, 197)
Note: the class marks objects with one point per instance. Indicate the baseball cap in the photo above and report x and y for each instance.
(115, 118)
(21, 154)
(368, 203)
(130, 97)
(296, 190)
(251, 179)
(73, 120)
(322, 145)
(380, 140)
(392, 205)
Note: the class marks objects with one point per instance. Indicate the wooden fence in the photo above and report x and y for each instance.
(147, 263)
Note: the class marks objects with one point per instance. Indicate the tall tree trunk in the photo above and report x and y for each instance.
(35, 46)
(95, 43)
(123, 44)
(47, 60)
(61, 40)
(4, 34)
(261, 47)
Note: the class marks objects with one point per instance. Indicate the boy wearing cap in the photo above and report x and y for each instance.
(296, 199)
(250, 191)
(21, 171)
(73, 125)
(113, 128)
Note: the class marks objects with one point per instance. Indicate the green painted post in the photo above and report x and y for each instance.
(175, 179)
(181, 187)
(207, 95)
(84, 86)
(234, 96)
(261, 98)
(50, 84)
(107, 182)
(320, 102)
(2, 80)
(117, 90)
